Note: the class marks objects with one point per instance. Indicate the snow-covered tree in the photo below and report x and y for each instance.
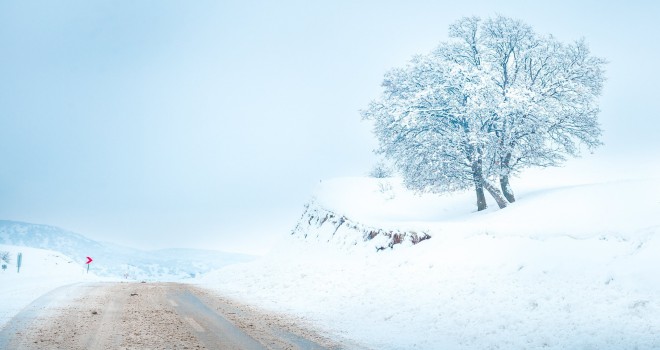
(493, 100)
(549, 92)
(433, 122)
(5, 256)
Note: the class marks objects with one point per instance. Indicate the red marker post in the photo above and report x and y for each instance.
(89, 260)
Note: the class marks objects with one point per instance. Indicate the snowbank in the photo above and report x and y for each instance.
(41, 271)
(572, 266)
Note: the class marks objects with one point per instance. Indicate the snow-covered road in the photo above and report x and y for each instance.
(149, 316)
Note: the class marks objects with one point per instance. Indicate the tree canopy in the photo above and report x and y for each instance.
(494, 99)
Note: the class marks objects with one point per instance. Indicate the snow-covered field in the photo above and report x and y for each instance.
(41, 271)
(573, 264)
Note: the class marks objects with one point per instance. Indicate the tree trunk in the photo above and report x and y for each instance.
(481, 197)
(497, 195)
(504, 179)
(478, 178)
(506, 188)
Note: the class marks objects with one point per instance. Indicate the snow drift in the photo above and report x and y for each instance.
(568, 266)
(41, 271)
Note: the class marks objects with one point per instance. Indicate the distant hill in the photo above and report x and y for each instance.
(114, 260)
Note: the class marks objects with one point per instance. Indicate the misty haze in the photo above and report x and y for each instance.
(340, 175)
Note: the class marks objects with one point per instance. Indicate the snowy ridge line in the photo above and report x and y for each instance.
(112, 260)
(326, 225)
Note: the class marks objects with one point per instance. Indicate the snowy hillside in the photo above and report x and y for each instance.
(114, 260)
(41, 271)
(617, 208)
(571, 265)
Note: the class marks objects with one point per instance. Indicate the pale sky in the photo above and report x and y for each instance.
(207, 124)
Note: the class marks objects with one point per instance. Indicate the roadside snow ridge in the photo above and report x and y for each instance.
(321, 224)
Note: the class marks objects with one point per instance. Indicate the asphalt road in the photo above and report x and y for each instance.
(103, 316)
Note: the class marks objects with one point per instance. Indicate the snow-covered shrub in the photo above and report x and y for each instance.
(381, 171)
(5, 256)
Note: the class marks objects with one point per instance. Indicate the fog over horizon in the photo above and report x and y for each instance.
(159, 124)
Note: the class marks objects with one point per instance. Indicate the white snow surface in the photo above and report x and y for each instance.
(573, 264)
(41, 271)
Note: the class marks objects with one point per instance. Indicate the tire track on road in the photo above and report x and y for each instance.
(220, 330)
